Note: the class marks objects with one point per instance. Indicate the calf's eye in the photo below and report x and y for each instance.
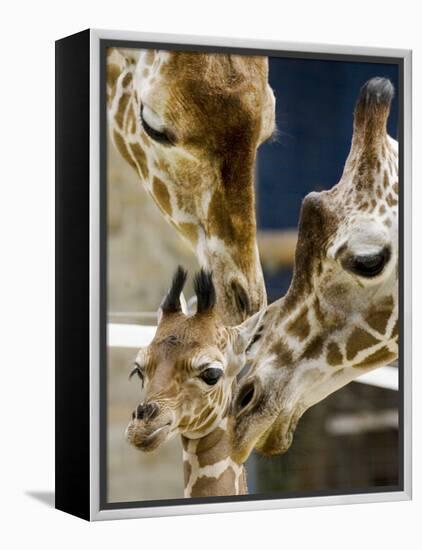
(211, 375)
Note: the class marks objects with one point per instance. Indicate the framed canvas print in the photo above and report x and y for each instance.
(233, 274)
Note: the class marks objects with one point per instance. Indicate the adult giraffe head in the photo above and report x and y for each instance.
(190, 125)
(339, 317)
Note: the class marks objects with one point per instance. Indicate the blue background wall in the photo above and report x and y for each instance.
(314, 113)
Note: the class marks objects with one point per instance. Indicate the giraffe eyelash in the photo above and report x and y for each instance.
(162, 137)
(137, 369)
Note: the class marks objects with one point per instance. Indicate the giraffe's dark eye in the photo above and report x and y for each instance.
(157, 134)
(211, 375)
(369, 265)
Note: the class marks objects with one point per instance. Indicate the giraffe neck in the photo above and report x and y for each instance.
(299, 361)
(326, 350)
(209, 468)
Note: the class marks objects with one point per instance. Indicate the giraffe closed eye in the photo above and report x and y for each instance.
(154, 128)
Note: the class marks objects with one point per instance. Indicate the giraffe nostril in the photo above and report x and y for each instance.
(140, 410)
(245, 396)
(150, 410)
(147, 411)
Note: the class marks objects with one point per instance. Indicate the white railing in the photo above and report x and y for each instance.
(121, 335)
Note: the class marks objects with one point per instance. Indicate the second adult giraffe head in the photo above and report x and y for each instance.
(190, 125)
(339, 317)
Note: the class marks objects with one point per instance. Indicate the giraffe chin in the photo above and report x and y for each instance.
(145, 438)
(278, 438)
(271, 442)
(264, 427)
(274, 443)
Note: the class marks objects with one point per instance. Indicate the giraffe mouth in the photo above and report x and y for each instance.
(278, 438)
(260, 423)
(146, 440)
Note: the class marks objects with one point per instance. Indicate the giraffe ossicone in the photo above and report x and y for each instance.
(190, 125)
(339, 317)
(188, 374)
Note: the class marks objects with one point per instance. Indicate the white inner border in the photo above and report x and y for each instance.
(181, 509)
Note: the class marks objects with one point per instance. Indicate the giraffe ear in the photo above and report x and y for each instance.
(247, 331)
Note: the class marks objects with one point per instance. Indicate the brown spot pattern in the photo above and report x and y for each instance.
(140, 157)
(314, 348)
(149, 57)
(211, 486)
(383, 355)
(127, 79)
(283, 352)
(391, 201)
(334, 356)
(190, 231)
(219, 219)
(161, 195)
(358, 341)
(123, 102)
(131, 121)
(121, 147)
(113, 72)
(395, 330)
(299, 327)
(378, 316)
(386, 180)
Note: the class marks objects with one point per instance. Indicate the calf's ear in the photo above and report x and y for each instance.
(246, 331)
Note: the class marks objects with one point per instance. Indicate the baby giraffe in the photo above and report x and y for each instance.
(188, 373)
(339, 317)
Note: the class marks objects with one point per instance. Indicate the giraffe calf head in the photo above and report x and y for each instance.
(188, 370)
